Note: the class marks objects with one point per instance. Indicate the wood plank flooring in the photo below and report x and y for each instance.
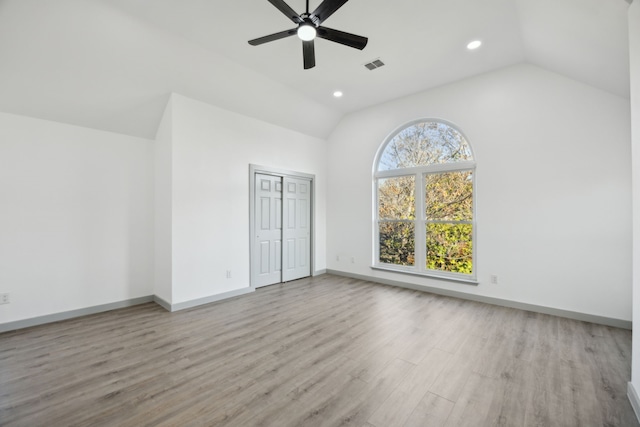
(324, 351)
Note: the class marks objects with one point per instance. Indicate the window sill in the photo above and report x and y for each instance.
(428, 275)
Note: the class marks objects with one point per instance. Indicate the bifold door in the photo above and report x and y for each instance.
(282, 215)
(267, 257)
(297, 230)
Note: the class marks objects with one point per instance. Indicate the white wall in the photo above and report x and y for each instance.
(212, 150)
(634, 56)
(163, 255)
(76, 217)
(553, 187)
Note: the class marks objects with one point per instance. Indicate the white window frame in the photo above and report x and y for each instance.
(420, 222)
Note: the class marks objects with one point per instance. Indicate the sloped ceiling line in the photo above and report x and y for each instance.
(109, 64)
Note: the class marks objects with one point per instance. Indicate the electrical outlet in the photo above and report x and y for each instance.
(494, 279)
(4, 299)
(228, 274)
(338, 258)
(353, 260)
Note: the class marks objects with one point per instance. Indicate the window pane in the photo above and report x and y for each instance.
(396, 198)
(449, 196)
(425, 144)
(450, 247)
(397, 243)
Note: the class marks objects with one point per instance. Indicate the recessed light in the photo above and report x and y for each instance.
(474, 45)
(337, 94)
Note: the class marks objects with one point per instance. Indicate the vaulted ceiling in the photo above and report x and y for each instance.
(111, 64)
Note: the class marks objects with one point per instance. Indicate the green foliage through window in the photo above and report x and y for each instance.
(449, 196)
(450, 247)
(397, 243)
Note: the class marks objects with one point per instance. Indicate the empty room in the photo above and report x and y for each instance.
(319, 213)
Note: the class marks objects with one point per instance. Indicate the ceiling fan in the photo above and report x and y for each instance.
(309, 27)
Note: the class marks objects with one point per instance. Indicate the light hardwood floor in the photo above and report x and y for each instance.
(326, 351)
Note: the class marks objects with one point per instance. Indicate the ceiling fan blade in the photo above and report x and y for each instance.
(308, 53)
(341, 37)
(286, 9)
(325, 10)
(273, 37)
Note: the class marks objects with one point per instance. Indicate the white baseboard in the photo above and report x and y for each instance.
(50, 318)
(56, 317)
(206, 300)
(633, 398)
(591, 318)
(162, 303)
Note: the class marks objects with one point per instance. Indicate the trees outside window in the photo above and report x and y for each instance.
(424, 187)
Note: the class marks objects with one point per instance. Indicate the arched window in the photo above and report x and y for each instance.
(424, 210)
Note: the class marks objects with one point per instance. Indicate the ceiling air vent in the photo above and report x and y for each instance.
(376, 63)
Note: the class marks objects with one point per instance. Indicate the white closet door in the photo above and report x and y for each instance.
(267, 257)
(296, 231)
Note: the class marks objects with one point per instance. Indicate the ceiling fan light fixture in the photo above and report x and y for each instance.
(306, 32)
(474, 45)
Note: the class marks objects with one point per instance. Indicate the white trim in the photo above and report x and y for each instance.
(633, 399)
(56, 317)
(592, 318)
(435, 168)
(162, 303)
(618, 323)
(208, 300)
(268, 170)
(420, 237)
(452, 277)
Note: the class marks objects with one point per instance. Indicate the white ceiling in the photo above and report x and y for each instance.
(111, 64)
